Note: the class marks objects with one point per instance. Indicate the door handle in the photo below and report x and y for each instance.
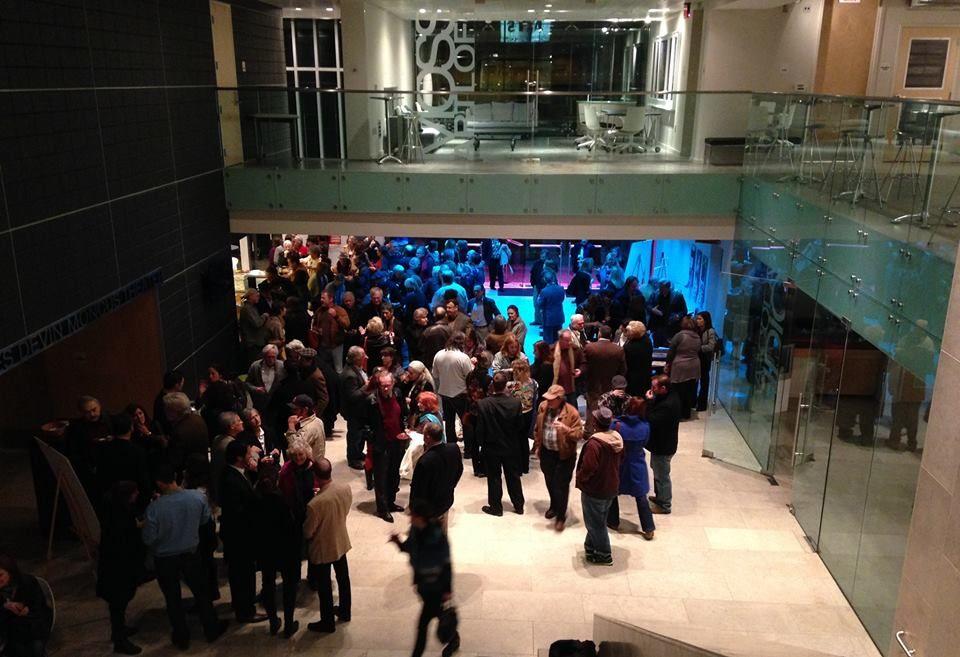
(903, 644)
(796, 430)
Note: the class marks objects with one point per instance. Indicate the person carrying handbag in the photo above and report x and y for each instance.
(433, 576)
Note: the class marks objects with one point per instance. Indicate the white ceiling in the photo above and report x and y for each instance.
(565, 10)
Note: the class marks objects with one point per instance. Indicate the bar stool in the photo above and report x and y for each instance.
(906, 163)
(810, 145)
(947, 208)
(651, 130)
(761, 134)
(856, 139)
(782, 122)
(911, 136)
(410, 143)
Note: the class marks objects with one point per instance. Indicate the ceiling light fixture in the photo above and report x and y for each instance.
(546, 11)
(298, 8)
(531, 11)
(422, 10)
(328, 9)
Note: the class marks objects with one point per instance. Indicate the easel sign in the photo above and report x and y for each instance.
(85, 520)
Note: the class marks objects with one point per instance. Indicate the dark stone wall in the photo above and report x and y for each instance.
(110, 166)
(258, 38)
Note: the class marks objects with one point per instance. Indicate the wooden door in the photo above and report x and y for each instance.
(221, 21)
(927, 62)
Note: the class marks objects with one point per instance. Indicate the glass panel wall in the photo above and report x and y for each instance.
(838, 197)
(314, 61)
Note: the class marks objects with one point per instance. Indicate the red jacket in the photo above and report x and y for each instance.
(598, 470)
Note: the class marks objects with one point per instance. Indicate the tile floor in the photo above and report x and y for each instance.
(730, 560)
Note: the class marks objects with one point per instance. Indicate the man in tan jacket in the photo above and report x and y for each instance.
(555, 436)
(328, 542)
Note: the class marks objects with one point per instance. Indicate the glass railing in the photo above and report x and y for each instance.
(887, 168)
(480, 131)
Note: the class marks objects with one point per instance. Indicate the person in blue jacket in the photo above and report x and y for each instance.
(634, 480)
(549, 305)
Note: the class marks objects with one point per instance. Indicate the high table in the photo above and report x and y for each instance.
(922, 218)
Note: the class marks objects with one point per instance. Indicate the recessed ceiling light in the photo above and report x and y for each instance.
(548, 5)
(422, 10)
(439, 11)
(298, 8)
(328, 8)
(546, 11)
(531, 11)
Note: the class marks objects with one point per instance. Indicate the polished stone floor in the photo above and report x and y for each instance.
(731, 559)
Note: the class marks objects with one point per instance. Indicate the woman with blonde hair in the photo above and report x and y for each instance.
(509, 353)
(417, 379)
(524, 388)
(374, 342)
(638, 351)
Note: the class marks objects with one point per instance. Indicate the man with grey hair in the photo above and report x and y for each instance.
(230, 427)
(577, 324)
(385, 416)
(189, 439)
(353, 394)
(263, 377)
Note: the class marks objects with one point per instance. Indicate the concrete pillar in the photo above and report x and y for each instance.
(377, 54)
(929, 600)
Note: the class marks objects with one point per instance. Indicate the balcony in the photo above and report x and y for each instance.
(522, 156)
(846, 180)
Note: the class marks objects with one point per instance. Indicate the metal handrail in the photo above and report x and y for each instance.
(588, 92)
(910, 651)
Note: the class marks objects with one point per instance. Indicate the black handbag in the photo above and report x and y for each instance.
(447, 624)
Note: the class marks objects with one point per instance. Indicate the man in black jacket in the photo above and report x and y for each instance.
(238, 505)
(663, 414)
(386, 417)
(437, 473)
(499, 428)
(353, 394)
(667, 308)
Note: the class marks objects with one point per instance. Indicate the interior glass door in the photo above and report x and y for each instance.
(816, 370)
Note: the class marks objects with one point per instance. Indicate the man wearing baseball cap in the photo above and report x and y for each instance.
(305, 425)
(557, 431)
(616, 400)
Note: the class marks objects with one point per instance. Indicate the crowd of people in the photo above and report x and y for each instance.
(247, 463)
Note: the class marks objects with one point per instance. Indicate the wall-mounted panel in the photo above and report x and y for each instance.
(498, 193)
(624, 194)
(371, 191)
(252, 189)
(435, 193)
(307, 190)
(691, 193)
(568, 194)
